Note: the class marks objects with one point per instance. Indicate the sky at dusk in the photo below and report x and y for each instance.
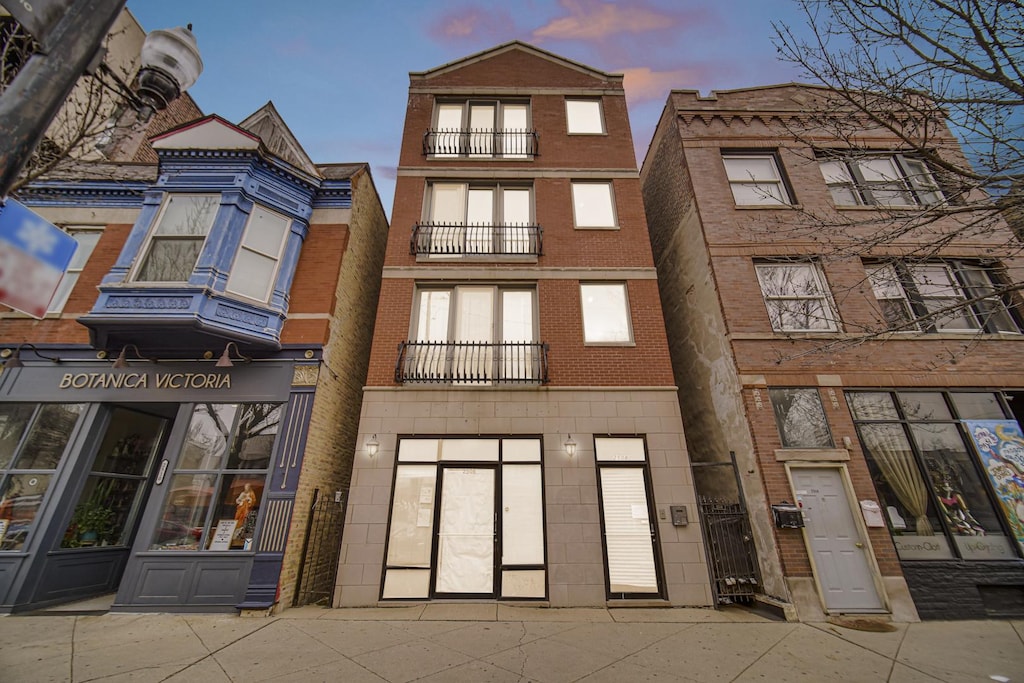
(337, 70)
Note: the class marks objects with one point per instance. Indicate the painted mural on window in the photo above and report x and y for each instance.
(1000, 446)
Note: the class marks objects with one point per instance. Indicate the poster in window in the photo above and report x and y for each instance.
(1000, 446)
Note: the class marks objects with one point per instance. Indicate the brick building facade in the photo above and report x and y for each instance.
(166, 438)
(821, 363)
(520, 437)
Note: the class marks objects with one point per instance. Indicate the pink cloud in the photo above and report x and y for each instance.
(593, 19)
(643, 84)
(472, 23)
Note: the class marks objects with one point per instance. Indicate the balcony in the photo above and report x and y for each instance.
(450, 239)
(472, 362)
(481, 143)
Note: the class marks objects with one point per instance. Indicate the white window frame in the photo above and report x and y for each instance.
(153, 237)
(888, 289)
(934, 285)
(579, 204)
(742, 176)
(78, 262)
(860, 181)
(820, 295)
(584, 117)
(250, 228)
(497, 124)
(592, 335)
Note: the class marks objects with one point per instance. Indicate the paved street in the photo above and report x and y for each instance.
(488, 642)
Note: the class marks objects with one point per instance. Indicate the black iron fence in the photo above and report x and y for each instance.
(456, 239)
(731, 553)
(319, 565)
(472, 362)
(480, 142)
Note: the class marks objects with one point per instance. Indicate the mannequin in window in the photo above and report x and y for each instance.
(960, 519)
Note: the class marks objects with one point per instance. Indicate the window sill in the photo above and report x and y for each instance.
(595, 227)
(769, 207)
(878, 207)
(626, 344)
(476, 258)
(811, 454)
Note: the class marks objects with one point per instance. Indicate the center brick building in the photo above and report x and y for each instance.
(520, 436)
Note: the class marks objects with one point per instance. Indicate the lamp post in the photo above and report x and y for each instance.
(170, 64)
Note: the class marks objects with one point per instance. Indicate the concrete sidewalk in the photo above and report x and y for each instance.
(489, 642)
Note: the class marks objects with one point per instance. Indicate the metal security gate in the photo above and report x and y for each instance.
(732, 556)
(734, 572)
(320, 553)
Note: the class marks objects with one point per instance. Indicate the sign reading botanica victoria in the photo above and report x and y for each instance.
(1000, 445)
(175, 382)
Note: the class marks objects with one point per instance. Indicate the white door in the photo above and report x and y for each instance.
(840, 554)
(465, 532)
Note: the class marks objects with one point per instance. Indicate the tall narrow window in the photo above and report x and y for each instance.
(33, 439)
(87, 237)
(255, 268)
(178, 238)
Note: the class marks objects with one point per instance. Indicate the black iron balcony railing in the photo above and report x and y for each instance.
(475, 240)
(472, 362)
(483, 143)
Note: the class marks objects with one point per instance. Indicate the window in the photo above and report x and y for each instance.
(217, 487)
(583, 117)
(927, 475)
(87, 237)
(482, 129)
(796, 297)
(478, 218)
(883, 180)
(593, 205)
(755, 180)
(800, 418)
(178, 238)
(605, 313)
(255, 269)
(473, 334)
(467, 518)
(953, 296)
(33, 439)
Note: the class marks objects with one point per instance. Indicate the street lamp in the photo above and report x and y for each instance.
(170, 64)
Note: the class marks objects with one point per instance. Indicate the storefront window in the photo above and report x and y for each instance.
(927, 475)
(33, 439)
(217, 487)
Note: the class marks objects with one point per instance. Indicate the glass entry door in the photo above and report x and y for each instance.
(466, 532)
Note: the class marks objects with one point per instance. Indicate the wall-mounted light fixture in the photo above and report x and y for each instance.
(122, 358)
(372, 446)
(570, 447)
(225, 358)
(13, 356)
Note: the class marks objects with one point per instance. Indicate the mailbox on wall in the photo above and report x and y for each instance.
(787, 516)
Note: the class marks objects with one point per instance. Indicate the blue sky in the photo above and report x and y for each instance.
(337, 70)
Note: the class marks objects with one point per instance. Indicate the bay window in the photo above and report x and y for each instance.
(174, 245)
